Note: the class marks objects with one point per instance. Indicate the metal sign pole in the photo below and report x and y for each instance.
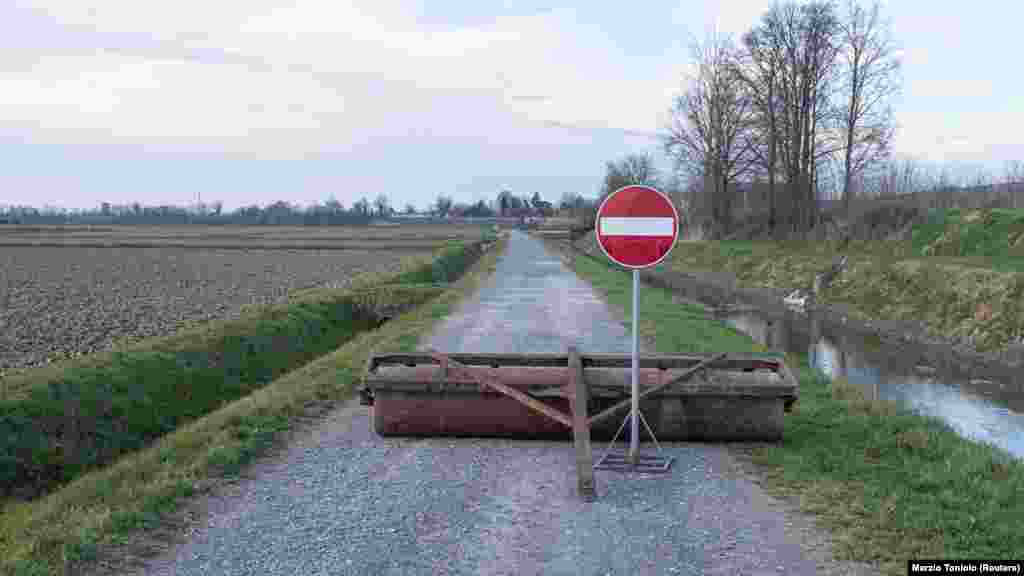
(634, 438)
(636, 228)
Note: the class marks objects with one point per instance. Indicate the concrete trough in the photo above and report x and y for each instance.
(737, 398)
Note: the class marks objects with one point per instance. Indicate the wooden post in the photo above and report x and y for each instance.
(581, 428)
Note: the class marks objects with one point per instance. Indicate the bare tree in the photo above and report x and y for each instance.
(443, 205)
(566, 201)
(509, 203)
(572, 204)
(332, 206)
(410, 209)
(362, 207)
(806, 40)
(759, 70)
(631, 169)
(944, 187)
(503, 202)
(870, 70)
(1014, 179)
(895, 177)
(675, 187)
(639, 169)
(709, 130)
(382, 205)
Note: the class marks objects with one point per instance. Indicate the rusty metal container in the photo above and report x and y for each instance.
(737, 398)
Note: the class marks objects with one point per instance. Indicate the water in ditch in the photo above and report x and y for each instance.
(988, 410)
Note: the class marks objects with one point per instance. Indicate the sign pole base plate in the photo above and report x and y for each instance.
(618, 461)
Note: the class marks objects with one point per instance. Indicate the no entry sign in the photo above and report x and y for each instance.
(637, 226)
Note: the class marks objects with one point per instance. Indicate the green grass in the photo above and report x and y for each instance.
(891, 485)
(660, 317)
(103, 509)
(989, 238)
(448, 265)
(67, 420)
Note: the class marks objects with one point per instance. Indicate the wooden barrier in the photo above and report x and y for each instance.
(736, 397)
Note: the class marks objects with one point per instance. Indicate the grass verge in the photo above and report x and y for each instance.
(68, 530)
(996, 235)
(889, 484)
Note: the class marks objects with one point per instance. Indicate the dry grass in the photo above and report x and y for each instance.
(959, 301)
(975, 306)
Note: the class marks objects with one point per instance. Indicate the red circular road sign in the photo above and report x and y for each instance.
(636, 226)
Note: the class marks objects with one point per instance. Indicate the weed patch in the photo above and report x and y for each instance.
(991, 233)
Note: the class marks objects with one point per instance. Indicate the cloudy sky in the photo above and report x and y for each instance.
(259, 100)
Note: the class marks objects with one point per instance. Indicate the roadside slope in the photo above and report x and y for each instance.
(941, 286)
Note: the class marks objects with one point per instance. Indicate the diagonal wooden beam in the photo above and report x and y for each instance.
(609, 412)
(552, 392)
(461, 370)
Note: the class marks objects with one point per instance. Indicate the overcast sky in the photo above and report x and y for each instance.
(259, 100)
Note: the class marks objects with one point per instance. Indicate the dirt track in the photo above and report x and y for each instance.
(342, 500)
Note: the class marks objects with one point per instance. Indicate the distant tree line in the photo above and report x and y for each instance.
(282, 213)
(509, 205)
(328, 213)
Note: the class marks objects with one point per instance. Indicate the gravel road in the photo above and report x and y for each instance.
(341, 500)
(532, 304)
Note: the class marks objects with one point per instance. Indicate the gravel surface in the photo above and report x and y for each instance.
(62, 301)
(341, 500)
(532, 304)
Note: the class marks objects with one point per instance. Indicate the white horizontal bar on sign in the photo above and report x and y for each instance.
(637, 226)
